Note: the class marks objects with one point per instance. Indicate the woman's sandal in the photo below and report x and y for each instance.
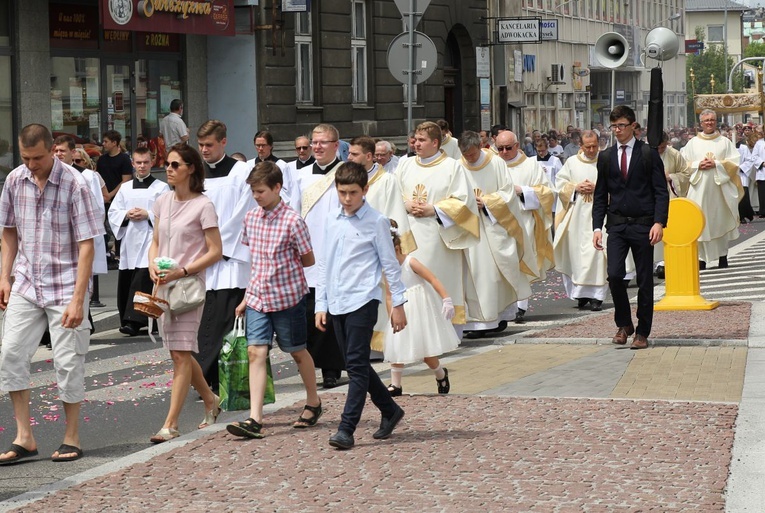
(443, 384)
(302, 422)
(211, 416)
(249, 428)
(164, 435)
(395, 391)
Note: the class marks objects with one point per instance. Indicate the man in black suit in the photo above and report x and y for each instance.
(632, 190)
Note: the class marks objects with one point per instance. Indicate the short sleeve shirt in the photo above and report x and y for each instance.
(173, 129)
(49, 224)
(277, 238)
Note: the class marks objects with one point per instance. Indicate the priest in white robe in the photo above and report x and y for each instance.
(497, 275)
(226, 280)
(583, 268)
(536, 193)
(715, 187)
(315, 197)
(132, 221)
(448, 143)
(442, 212)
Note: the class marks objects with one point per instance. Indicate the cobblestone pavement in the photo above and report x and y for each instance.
(454, 453)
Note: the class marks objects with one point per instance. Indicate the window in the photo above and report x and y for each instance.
(75, 97)
(359, 50)
(303, 58)
(715, 33)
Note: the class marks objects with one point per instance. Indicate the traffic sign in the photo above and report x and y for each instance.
(424, 61)
(418, 6)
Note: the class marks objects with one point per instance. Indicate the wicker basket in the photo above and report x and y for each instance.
(149, 305)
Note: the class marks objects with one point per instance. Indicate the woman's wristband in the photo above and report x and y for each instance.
(185, 272)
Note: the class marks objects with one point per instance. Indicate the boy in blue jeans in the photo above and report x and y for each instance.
(275, 298)
(358, 250)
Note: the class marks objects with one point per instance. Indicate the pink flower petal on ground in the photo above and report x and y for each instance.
(110, 403)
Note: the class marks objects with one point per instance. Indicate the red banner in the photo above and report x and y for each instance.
(207, 17)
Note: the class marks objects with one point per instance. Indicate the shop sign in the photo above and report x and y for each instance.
(296, 5)
(206, 17)
(549, 30)
(519, 30)
(158, 42)
(73, 25)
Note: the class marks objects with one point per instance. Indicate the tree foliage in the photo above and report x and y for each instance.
(755, 50)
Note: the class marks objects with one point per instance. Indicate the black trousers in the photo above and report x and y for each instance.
(217, 320)
(323, 346)
(354, 334)
(130, 281)
(745, 209)
(621, 239)
(761, 196)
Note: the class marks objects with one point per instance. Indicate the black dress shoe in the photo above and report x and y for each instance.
(702, 265)
(329, 382)
(342, 440)
(582, 302)
(520, 315)
(97, 304)
(597, 305)
(723, 262)
(386, 426)
(128, 330)
(660, 273)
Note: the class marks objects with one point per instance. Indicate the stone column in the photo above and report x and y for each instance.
(32, 85)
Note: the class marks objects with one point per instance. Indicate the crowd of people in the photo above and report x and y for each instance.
(348, 250)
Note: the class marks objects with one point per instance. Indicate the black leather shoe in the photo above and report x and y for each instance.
(702, 265)
(329, 382)
(520, 315)
(342, 440)
(128, 330)
(97, 304)
(660, 272)
(582, 302)
(387, 425)
(597, 305)
(723, 262)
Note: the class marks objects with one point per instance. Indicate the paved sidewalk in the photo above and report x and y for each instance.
(552, 420)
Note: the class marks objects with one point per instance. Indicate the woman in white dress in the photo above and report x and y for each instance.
(430, 332)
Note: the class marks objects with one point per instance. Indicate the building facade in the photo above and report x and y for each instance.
(559, 81)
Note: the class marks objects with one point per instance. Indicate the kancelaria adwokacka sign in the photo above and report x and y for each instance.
(207, 17)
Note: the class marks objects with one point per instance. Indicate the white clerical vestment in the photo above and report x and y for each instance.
(717, 191)
(451, 148)
(495, 278)
(537, 203)
(232, 199)
(136, 236)
(582, 266)
(384, 195)
(442, 182)
(315, 196)
(100, 265)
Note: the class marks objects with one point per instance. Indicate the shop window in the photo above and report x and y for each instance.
(158, 82)
(75, 97)
(304, 58)
(359, 50)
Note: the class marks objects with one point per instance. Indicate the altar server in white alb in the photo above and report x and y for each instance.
(715, 187)
(315, 197)
(132, 222)
(585, 277)
(442, 211)
(226, 186)
(496, 276)
(448, 143)
(536, 194)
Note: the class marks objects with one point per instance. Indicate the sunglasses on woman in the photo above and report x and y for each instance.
(176, 164)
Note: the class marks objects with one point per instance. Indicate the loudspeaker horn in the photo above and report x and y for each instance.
(612, 49)
(661, 44)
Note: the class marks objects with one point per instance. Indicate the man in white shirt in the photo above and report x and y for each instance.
(173, 129)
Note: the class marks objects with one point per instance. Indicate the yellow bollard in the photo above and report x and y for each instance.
(681, 258)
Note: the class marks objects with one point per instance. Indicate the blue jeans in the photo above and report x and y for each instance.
(354, 334)
(289, 326)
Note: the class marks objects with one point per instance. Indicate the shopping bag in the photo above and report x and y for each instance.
(234, 372)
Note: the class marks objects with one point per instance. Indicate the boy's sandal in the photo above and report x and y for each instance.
(249, 428)
(302, 422)
(395, 391)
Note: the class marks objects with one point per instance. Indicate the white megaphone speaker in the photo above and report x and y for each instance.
(612, 49)
(661, 44)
